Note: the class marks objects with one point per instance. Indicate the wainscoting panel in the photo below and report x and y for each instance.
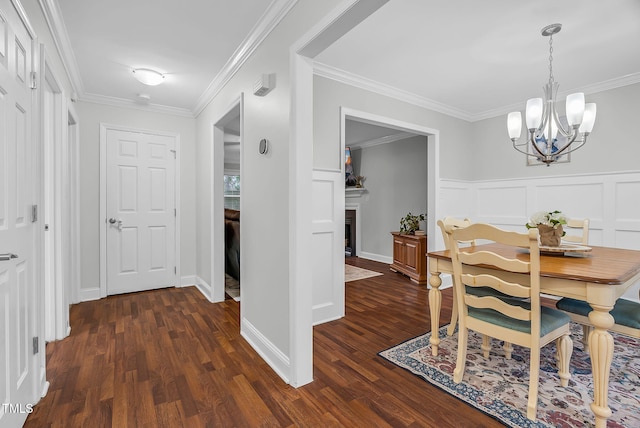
(327, 243)
(503, 201)
(322, 243)
(456, 200)
(628, 201)
(610, 201)
(575, 200)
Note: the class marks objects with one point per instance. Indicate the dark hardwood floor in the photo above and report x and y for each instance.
(169, 358)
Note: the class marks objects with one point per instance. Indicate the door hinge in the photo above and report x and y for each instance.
(175, 212)
(34, 213)
(174, 153)
(34, 80)
(175, 270)
(36, 345)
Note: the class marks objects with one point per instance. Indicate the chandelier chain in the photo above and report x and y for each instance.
(551, 58)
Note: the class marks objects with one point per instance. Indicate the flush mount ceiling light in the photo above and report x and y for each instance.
(148, 76)
(548, 137)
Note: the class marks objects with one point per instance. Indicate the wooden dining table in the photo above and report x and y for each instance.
(598, 277)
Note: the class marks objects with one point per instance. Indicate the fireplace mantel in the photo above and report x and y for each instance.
(354, 192)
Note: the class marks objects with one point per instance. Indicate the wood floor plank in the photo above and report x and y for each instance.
(170, 358)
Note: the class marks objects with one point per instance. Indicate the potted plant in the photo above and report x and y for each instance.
(410, 223)
(549, 225)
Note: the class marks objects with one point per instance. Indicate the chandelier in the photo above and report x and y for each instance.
(551, 136)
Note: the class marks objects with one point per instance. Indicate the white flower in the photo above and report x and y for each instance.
(553, 219)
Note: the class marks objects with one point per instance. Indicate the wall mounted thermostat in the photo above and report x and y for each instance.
(263, 147)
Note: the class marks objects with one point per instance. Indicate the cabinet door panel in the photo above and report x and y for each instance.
(398, 252)
(411, 255)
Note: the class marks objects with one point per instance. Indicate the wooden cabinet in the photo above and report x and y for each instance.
(410, 256)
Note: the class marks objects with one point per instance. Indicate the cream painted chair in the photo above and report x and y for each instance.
(454, 223)
(626, 313)
(572, 228)
(457, 223)
(524, 323)
(577, 231)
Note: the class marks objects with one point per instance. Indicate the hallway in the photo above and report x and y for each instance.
(169, 358)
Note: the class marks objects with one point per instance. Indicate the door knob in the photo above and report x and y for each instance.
(118, 221)
(7, 256)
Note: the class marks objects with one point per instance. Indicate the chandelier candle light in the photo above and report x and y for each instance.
(543, 121)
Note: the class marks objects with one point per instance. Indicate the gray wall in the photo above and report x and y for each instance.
(396, 183)
(612, 146)
(455, 134)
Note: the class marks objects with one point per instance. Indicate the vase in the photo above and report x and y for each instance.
(549, 236)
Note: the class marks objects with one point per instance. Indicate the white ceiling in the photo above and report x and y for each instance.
(190, 42)
(472, 59)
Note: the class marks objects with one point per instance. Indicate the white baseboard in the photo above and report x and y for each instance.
(276, 359)
(327, 320)
(326, 312)
(188, 280)
(44, 389)
(88, 294)
(376, 257)
(204, 288)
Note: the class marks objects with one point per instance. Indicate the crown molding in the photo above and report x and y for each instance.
(329, 72)
(125, 103)
(618, 82)
(53, 16)
(269, 20)
(379, 141)
(348, 78)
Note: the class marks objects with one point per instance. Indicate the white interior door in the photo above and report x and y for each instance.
(17, 194)
(140, 211)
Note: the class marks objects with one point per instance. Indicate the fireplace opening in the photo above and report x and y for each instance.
(350, 233)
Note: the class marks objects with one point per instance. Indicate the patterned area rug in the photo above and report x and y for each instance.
(499, 387)
(353, 273)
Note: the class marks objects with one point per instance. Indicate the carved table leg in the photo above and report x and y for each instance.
(601, 352)
(435, 302)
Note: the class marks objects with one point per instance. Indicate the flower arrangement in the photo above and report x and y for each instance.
(549, 225)
(410, 223)
(552, 219)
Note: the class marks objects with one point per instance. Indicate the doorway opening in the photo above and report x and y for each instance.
(392, 160)
(232, 191)
(56, 210)
(226, 205)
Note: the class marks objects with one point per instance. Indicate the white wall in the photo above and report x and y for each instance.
(91, 115)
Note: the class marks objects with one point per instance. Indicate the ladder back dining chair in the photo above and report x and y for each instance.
(520, 320)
